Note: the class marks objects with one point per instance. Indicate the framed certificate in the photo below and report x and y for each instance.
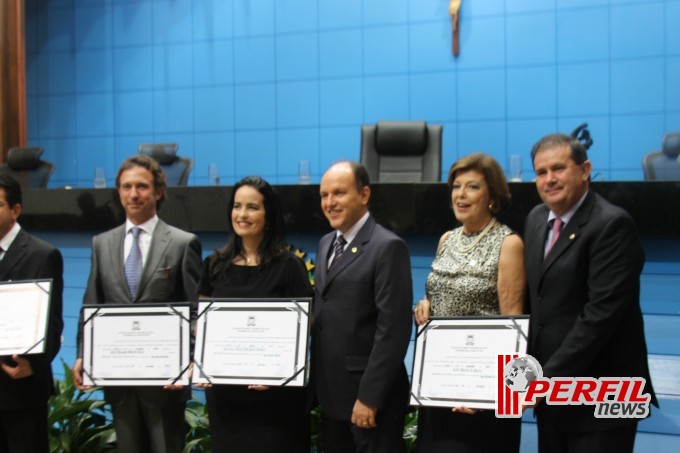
(456, 359)
(136, 344)
(256, 341)
(24, 311)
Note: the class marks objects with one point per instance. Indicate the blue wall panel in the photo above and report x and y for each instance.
(176, 70)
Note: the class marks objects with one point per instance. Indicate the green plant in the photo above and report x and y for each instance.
(78, 420)
(411, 431)
(198, 438)
(315, 430)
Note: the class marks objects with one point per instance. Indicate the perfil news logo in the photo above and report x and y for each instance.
(521, 381)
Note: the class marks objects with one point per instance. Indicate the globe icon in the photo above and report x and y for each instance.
(520, 372)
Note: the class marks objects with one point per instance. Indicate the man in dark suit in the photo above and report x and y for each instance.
(583, 259)
(362, 321)
(146, 418)
(26, 381)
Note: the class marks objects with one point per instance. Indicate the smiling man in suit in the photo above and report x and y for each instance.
(583, 259)
(145, 260)
(26, 381)
(362, 321)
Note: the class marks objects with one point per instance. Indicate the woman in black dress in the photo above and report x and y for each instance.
(256, 263)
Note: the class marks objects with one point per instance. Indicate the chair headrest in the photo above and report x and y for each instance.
(401, 138)
(671, 144)
(163, 153)
(24, 158)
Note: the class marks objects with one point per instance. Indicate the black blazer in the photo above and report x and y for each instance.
(362, 323)
(585, 301)
(30, 258)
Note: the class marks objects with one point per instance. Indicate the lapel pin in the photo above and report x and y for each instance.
(572, 236)
(354, 249)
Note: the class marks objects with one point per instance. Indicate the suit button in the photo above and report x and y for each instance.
(540, 326)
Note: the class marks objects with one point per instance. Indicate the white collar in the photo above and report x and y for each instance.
(11, 235)
(352, 231)
(566, 217)
(148, 227)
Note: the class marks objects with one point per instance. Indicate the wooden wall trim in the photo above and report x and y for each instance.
(13, 129)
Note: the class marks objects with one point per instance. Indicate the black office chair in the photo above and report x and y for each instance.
(402, 151)
(176, 168)
(25, 166)
(664, 165)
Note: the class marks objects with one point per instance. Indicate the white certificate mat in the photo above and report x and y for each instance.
(136, 344)
(24, 311)
(456, 359)
(258, 342)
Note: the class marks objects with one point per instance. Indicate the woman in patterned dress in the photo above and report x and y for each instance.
(478, 271)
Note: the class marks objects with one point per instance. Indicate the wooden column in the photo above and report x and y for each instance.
(12, 76)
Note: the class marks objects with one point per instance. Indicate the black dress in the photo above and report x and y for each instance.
(250, 421)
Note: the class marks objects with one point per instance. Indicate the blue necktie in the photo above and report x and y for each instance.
(133, 264)
(339, 248)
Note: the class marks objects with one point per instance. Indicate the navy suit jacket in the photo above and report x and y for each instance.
(585, 301)
(362, 323)
(30, 258)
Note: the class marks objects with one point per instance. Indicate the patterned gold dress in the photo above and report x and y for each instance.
(464, 282)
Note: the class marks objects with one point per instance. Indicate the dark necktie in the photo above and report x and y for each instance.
(556, 230)
(133, 264)
(338, 248)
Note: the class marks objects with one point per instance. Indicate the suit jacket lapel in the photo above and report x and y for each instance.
(116, 249)
(16, 253)
(352, 252)
(322, 259)
(535, 247)
(571, 232)
(159, 244)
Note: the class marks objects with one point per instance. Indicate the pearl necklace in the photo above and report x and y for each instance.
(466, 248)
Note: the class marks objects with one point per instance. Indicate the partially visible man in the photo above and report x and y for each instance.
(26, 381)
(362, 321)
(583, 260)
(146, 419)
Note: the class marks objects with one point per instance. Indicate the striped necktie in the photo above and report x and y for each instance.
(338, 248)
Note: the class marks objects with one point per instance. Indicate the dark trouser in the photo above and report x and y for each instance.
(553, 439)
(24, 430)
(442, 431)
(143, 428)
(341, 436)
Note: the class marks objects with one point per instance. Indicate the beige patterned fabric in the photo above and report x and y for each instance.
(465, 283)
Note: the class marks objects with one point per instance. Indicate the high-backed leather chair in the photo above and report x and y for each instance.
(402, 151)
(25, 166)
(664, 165)
(176, 168)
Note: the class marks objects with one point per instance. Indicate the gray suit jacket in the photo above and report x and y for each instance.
(171, 274)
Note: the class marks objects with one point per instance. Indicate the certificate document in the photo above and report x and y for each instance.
(258, 342)
(24, 311)
(456, 359)
(136, 344)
